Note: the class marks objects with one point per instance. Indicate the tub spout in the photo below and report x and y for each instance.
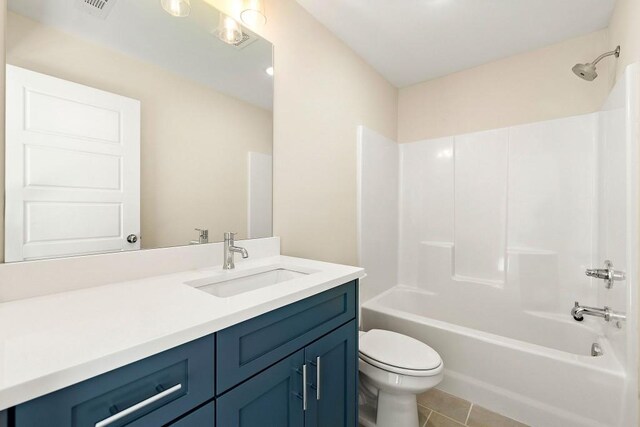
(578, 312)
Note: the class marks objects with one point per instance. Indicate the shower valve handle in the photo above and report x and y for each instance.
(608, 274)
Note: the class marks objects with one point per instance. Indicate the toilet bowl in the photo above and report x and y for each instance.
(394, 369)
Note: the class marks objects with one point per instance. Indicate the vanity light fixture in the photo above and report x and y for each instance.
(177, 8)
(229, 30)
(269, 71)
(253, 13)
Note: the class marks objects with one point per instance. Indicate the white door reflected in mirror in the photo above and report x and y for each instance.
(72, 172)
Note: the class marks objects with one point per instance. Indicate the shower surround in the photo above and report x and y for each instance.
(477, 244)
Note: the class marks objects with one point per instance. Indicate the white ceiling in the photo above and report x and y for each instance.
(409, 41)
(185, 46)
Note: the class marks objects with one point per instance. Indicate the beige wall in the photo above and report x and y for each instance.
(323, 90)
(194, 140)
(624, 30)
(533, 86)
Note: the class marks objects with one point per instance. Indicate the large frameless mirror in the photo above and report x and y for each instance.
(128, 127)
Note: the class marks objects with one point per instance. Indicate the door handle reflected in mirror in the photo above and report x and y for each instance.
(132, 238)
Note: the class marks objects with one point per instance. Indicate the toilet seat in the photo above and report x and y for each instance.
(399, 354)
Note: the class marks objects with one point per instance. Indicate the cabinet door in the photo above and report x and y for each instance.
(271, 398)
(333, 377)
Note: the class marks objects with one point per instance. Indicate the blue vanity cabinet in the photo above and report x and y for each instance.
(252, 346)
(276, 397)
(272, 355)
(333, 379)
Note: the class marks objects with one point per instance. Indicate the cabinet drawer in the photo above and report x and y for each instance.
(153, 391)
(251, 346)
(203, 417)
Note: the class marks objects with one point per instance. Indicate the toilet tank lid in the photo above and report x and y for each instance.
(397, 350)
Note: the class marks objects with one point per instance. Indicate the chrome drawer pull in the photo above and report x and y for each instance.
(130, 410)
(304, 387)
(318, 378)
(317, 386)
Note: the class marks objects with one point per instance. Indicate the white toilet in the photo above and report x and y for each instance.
(394, 369)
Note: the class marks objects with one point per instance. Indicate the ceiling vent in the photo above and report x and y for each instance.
(98, 8)
(247, 39)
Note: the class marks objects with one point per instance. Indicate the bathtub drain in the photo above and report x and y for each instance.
(596, 350)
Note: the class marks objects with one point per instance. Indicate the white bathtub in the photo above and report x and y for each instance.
(535, 368)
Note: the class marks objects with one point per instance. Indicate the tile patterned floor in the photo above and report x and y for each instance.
(439, 409)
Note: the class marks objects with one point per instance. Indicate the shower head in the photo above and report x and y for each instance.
(585, 71)
(588, 71)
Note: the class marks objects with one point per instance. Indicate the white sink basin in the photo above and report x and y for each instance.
(231, 284)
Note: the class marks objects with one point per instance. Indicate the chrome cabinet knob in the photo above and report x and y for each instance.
(132, 238)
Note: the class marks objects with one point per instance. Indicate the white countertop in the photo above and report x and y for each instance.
(50, 342)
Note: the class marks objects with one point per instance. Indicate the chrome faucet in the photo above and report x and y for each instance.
(203, 237)
(230, 249)
(578, 312)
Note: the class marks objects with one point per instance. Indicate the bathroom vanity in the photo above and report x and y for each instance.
(248, 374)
(280, 353)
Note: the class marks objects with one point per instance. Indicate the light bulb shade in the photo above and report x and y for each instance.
(229, 30)
(253, 13)
(178, 8)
